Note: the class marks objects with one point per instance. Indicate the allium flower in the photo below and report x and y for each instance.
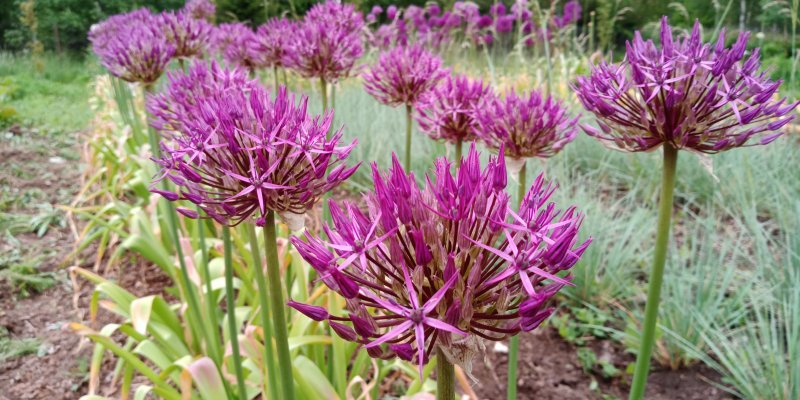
(444, 267)
(572, 14)
(448, 110)
(403, 75)
(328, 42)
(702, 97)
(131, 46)
(242, 154)
(273, 40)
(527, 126)
(236, 43)
(201, 9)
(189, 36)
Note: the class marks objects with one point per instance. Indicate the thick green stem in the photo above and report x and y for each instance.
(233, 329)
(513, 344)
(445, 377)
(263, 302)
(657, 274)
(211, 306)
(275, 75)
(277, 303)
(323, 91)
(408, 138)
(459, 144)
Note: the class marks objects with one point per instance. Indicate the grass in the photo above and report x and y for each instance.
(52, 98)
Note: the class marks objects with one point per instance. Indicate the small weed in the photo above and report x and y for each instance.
(13, 348)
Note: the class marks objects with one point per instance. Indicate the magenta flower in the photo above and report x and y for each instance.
(444, 267)
(328, 42)
(131, 47)
(189, 36)
(236, 43)
(572, 14)
(527, 126)
(200, 9)
(702, 97)
(403, 75)
(239, 154)
(447, 112)
(273, 40)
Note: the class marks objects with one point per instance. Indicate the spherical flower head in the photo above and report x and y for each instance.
(273, 41)
(526, 126)
(572, 14)
(236, 42)
(189, 36)
(243, 154)
(328, 42)
(447, 112)
(446, 266)
(175, 110)
(200, 9)
(403, 75)
(684, 93)
(131, 46)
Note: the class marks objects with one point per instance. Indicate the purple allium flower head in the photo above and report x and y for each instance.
(526, 126)
(200, 9)
(504, 24)
(328, 42)
(391, 12)
(497, 9)
(236, 43)
(403, 75)
(131, 47)
(273, 41)
(189, 36)
(446, 266)
(572, 14)
(448, 111)
(241, 154)
(702, 97)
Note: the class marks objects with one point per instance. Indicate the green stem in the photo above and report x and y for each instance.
(231, 304)
(657, 274)
(211, 306)
(459, 144)
(275, 74)
(513, 345)
(445, 377)
(323, 90)
(408, 138)
(277, 303)
(266, 324)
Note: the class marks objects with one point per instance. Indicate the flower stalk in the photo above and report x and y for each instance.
(657, 274)
(445, 377)
(513, 343)
(407, 162)
(277, 304)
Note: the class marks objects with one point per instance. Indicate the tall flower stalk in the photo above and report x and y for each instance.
(525, 126)
(682, 95)
(243, 157)
(402, 76)
(436, 271)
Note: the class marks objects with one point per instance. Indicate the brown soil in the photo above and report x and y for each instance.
(549, 369)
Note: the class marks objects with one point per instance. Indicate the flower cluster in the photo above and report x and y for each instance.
(444, 267)
(572, 14)
(273, 41)
(448, 111)
(131, 46)
(200, 9)
(236, 43)
(526, 126)
(690, 95)
(403, 75)
(238, 154)
(189, 36)
(328, 42)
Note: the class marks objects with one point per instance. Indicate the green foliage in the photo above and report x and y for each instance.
(12, 348)
(591, 364)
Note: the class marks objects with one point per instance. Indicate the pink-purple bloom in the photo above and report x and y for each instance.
(189, 36)
(572, 14)
(447, 112)
(527, 126)
(132, 47)
(328, 42)
(684, 93)
(273, 41)
(403, 75)
(200, 9)
(446, 266)
(238, 154)
(236, 43)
